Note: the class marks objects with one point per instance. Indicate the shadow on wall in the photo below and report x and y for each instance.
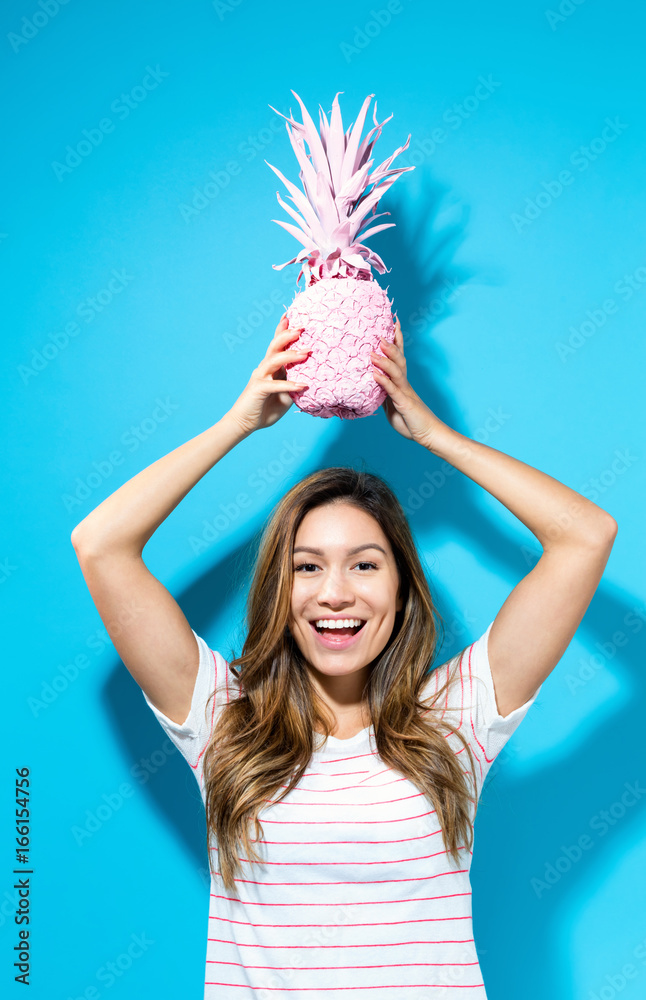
(514, 919)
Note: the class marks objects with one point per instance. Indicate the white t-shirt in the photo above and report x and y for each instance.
(356, 896)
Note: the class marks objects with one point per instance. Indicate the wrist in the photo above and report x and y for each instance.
(450, 445)
(233, 427)
(434, 435)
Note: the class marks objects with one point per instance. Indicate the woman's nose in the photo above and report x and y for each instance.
(335, 590)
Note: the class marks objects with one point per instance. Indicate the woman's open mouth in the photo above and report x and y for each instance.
(337, 633)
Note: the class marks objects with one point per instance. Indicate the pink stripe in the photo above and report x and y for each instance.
(343, 788)
(329, 989)
(332, 822)
(380, 802)
(472, 726)
(215, 667)
(363, 902)
(402, 840)
(387, 944)
(461, 693)
(373, 881)
(338, 968)
(337, 760)
(334, 774)
(395, 861)
(447, 693)
(379, 923)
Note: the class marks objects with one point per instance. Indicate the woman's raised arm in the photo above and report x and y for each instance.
(146, 625)
(536, 623)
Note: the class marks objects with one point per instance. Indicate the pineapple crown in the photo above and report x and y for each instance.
(336, 175)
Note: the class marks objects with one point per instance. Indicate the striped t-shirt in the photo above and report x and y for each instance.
(356, 896)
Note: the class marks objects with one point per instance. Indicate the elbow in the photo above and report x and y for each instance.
(90, 546)
(75, 538)
(596, 530)
(78, 543)
(82, 544)
(604, 530)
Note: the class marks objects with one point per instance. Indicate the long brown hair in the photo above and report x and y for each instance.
(264, 737)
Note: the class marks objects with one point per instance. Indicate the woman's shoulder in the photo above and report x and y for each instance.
(451, 683)
(215, 686)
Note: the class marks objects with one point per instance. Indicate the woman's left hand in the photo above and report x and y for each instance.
(406, 412)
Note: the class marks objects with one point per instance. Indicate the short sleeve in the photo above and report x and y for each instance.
(192, 736)
(470, 703)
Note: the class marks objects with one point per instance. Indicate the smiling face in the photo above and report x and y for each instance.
(344, 571)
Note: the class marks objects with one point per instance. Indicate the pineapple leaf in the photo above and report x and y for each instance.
(300, 236)
(296, 217)
(327, 211)
(298, 197)
(314, 141)
(340, 191)
(365, 149)
(377, 229)
(349, 160)
(336, 144)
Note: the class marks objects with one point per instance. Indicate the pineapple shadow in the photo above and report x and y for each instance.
(513, 923)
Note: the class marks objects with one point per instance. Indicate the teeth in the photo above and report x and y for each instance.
(339, 623)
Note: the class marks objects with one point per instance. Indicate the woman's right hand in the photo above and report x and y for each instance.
(265, 399)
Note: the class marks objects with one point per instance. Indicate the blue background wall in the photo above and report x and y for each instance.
(522, 294)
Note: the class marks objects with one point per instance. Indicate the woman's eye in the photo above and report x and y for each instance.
(311, 566)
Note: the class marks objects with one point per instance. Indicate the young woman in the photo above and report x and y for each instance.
(339, 767)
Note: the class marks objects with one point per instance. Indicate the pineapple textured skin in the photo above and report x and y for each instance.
(343, 320)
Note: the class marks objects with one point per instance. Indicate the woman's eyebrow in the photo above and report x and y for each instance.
(351, 552)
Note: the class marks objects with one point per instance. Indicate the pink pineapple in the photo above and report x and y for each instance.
(343, 310)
